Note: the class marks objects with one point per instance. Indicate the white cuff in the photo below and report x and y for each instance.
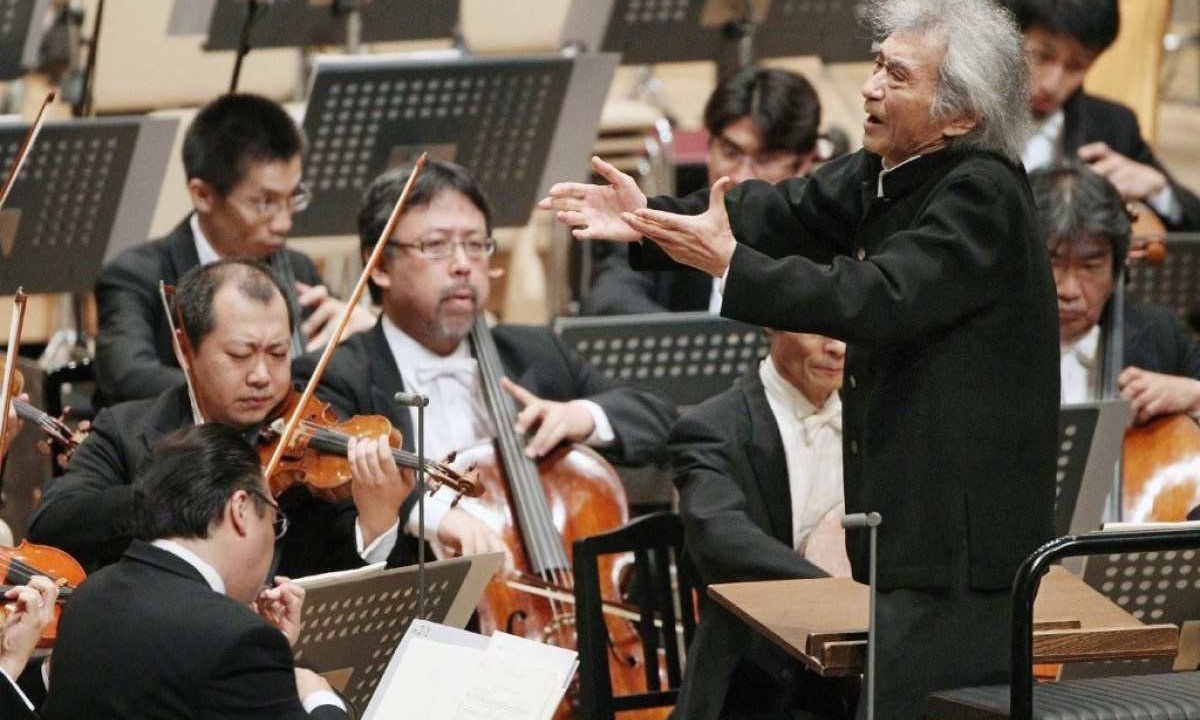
(322, 697)
(1166, 205)
(724, 277)
(18, 689)
(380, 547)
(436, 508)
(602, 434)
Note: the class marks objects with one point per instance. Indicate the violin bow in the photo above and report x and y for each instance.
(182, 347)
(371, 263)
(26, 145)
(10, 362)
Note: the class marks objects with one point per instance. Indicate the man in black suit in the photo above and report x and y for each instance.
(168, 631)
(1062, 40)
(241, 155)
(1087, 231)
(921, 252)
(238, 325)
(30, 608)
(432, 283)
(759, 472)
(762, 123)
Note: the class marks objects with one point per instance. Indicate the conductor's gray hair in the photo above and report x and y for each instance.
(983, 74)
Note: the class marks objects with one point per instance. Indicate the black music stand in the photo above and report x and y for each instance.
(829, 29)
(84, 184)
(688, 357)
(1089, 448)
(299, 23)
(20, 35)
(1175, 283)
(517, 124)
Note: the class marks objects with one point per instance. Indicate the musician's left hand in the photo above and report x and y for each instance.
(318, 327)
(555, 421)
(282, 606)
(379, 487)
(703, 241)
(1152, 394)
(1132, 179)
(12, 428)
(461, 533)
(29, 610)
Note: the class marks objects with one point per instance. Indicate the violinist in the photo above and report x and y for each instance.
(238, 324)
(241, 155)
(432, 283)
(181, 626)
(1087, 231)
(27, 612)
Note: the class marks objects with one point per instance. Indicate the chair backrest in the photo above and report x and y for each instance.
(661, 590)
(1128, 72)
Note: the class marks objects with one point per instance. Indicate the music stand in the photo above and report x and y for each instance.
(354, 620)
(1089, 448)
(20, 35)
(829, 29)
(688, 357)
(517, 124)
(85, 183)
(299, 23)
(1174, 283)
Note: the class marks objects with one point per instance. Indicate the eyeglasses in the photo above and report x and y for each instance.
(266, 209)
(442, 248)
(281, 521)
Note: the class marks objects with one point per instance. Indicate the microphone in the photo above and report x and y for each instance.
(861, 520)
(408, 399)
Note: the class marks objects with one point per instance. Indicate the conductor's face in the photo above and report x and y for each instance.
(243, 365)
(1083, 276)
(254, 218)
(434, 277)
(899, 97)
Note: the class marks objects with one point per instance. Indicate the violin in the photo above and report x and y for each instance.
(316, 455)
(60, 440)
(18, 566)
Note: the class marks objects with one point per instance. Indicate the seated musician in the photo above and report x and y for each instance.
(168, 630)
(1063, 38)
(241, 155)
(759, 472)
(238, 323)
(432, 283)
(28, 610)
(762, 123)
(1087, 231)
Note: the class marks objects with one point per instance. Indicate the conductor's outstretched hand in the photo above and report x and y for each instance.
(593, 212)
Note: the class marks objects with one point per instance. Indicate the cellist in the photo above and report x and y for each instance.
(238, 324)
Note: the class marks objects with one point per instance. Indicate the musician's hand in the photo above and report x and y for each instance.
(554, 421)
(1152, 394)
(28, 610)
(461, 533)
(282, 606)
(13, 427)
(379, 486)
(594, 211)
(318, 327)
(1132, 179)
(826, 543)
(703, 241)
(308, 682)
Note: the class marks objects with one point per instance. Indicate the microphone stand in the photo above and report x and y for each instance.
(419, 402)
(871, 521)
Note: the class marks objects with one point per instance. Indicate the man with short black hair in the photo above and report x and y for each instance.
(168, 631)
(762, 123)
(241, 155)
(1063, 38)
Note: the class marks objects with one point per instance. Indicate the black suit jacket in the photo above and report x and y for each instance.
(729, 465)
(12, 706)
(943, 293)
(362, 378)
(148, 638)
(134, 356)
(1088, 119)
(619, 290)
(88, 510)
(1156, 340)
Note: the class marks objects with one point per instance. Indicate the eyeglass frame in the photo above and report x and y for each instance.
(297, 202)
(760, 160)
(421, 245)
(280, 523)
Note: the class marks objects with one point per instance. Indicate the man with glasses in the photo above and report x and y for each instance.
(762, 124)
(433, 281)
(241, 155)
(236, 319)
(189, 623)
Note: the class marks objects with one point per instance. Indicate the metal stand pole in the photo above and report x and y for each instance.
(871, 521)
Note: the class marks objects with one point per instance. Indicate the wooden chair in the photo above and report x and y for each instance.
(1129, 71)
(664, 604)
(1174, 696)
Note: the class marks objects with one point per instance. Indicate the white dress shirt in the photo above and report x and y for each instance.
(1078, 362)
(812, 445)
(204, 249)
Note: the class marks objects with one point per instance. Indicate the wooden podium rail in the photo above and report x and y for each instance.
(822, 623)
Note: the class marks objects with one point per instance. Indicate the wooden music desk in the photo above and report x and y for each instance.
(822, 623)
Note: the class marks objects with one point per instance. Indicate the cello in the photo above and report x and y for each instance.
(539, 509)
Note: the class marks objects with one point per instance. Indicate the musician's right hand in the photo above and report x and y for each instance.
(461, 533)
(28, 610)
(593, 212)
(379, 487)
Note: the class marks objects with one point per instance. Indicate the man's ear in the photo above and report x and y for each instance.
(203, 195)
(239, 510)
(960, 127)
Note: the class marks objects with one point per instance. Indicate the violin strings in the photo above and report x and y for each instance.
(22, 572)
